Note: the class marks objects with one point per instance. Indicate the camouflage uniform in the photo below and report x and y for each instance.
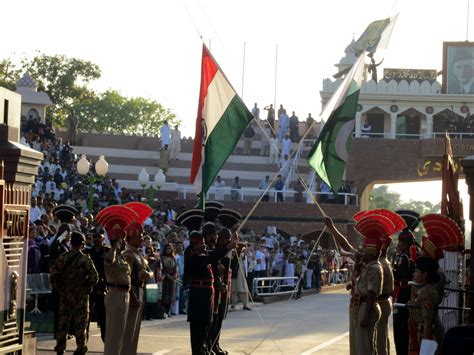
(73, 274)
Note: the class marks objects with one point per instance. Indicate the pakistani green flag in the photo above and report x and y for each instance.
(330, 152)
(375, 36)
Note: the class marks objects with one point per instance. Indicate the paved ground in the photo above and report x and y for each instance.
(316, 324)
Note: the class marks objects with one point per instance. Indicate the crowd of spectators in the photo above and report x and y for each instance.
(58, 181)
(266, 254)
(277, 137)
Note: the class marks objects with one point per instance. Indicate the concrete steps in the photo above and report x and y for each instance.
(126, 163)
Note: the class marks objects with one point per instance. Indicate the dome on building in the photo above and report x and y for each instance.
(349, 58)
(27, 81)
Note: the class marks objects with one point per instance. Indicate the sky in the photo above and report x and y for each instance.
(153, 48)
(431, 191)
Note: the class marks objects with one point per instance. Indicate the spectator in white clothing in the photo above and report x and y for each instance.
(286, 145)
(256, 112)
(219, 186)
(175, 146)
(274, 145)
(260, 263)
(266, 134)
(284, 166)
(35, 211)
(165, 133)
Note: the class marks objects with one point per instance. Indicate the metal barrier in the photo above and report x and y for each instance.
(251, 193)
(271, 286)
(39, 285)
(389, 135)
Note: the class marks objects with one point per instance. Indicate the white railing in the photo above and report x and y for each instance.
(388, 135)
(249, 193)
(294, 164)
(272, 286)
(311, 186)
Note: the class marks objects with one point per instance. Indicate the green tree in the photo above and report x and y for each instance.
(9, 74)
(64, 79)
(383, 197)
(112, 112)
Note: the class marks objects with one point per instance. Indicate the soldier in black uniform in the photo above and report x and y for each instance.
(403, 268)
(201, 290)
(209, 233)
(224, 267)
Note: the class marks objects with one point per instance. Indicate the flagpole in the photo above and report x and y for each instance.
(243, 74)
(276, 73)
(467, 21)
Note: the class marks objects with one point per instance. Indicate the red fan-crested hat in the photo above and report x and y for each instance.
(143, 210)
(134, 229)
(443, 233)
(115, 219)
(379, 224)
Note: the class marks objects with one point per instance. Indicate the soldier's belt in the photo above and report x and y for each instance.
(111, 285)
(202, 283)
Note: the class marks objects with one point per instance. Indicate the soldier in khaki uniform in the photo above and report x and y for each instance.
(430, 330)
(368, 288)
(73, 274)
(140, 273)
(375, 226)
(384, 300)
(117, 274)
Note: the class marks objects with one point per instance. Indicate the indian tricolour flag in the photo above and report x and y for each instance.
(222, 117)
(330, 152)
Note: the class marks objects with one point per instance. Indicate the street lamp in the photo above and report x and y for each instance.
(143, 179)
(101, 168)
(155, 185)
(160, 179)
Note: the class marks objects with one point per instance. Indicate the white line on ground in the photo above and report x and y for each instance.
(166, 351)
(325, 344)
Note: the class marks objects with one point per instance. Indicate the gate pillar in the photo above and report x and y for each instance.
(18, 167)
